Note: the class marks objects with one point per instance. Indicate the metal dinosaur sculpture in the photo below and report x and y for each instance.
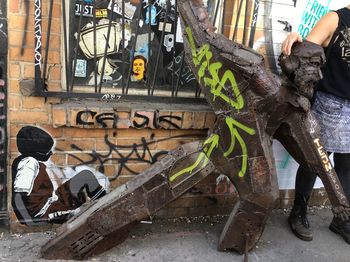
(252, 107)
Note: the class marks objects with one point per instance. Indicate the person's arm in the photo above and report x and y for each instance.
(321, 34)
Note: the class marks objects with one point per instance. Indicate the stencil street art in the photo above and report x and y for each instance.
(42, 192)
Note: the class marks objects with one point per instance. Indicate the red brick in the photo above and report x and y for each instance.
(13, 7)
(87, 133)
(33, 102)
(66, 144)
(59, 116)
(14, 70)
(187, 122)
(29, 117)
(14, 101)
(199, 119)
(210, 118)
(13, 86)
(27, 56)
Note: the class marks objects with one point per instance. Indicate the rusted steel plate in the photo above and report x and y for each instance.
(107, 222)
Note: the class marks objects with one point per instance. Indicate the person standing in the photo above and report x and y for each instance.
(331, 107)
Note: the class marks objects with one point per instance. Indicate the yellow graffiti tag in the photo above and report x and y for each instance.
(211, 143)
(201, 58)
(215, 83)
(232, 124)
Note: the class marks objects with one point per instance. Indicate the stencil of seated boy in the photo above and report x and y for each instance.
(36, 194)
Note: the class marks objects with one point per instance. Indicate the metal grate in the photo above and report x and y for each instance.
(85, 243)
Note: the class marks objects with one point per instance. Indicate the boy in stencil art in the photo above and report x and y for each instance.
(37, 192)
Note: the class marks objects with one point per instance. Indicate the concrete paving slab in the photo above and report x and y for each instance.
(196, 239)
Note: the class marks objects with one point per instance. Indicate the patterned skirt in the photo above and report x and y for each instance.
(333, 115)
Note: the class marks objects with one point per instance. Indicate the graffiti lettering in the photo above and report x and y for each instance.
(100, 118)
(215, 83)
(139, 119)
(157, 120)
(110, 98)
(80, 114)
(325, 159)
(256, 8)
(38, 32)
(328, 167)
(124, 156)
(184, 74)
(3, 201)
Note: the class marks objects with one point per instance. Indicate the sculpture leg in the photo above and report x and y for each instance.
(251, 169)
(106, 222)
(298, 134)
(258, 192)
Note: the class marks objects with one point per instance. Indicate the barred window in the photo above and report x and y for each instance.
(122, 47)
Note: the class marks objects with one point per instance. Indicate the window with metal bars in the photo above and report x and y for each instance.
(120, 48)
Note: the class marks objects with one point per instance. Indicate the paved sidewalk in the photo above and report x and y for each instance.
(196, 239)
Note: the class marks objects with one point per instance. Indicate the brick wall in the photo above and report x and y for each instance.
(80, 129)
(77, 136)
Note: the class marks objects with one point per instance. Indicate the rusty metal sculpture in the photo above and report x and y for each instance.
(252, 107)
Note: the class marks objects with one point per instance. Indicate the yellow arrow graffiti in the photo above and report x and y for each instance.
(212, 143)
(232, 124)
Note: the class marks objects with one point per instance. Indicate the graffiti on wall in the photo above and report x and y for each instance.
(139, 119)
(3, 30)
(3, 148)
(43, 192)
(38, 33)
(125, 156)
(3, 36)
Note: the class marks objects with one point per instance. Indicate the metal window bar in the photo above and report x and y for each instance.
(174, 80)
(149, 14)
(153, 85)
(133, 46)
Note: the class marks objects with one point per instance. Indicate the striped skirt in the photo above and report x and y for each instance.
(333, 115)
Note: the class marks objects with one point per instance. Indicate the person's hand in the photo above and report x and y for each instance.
(289, 41)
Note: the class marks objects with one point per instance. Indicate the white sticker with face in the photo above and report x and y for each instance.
(169, 42)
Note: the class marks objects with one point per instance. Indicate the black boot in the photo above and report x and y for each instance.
(297, 219)
(341, 227)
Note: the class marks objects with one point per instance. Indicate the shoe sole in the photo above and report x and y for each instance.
(298, 235)
(336, 230)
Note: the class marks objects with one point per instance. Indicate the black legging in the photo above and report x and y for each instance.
(305, 179)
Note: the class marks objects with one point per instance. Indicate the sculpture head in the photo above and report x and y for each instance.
(303, 66)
